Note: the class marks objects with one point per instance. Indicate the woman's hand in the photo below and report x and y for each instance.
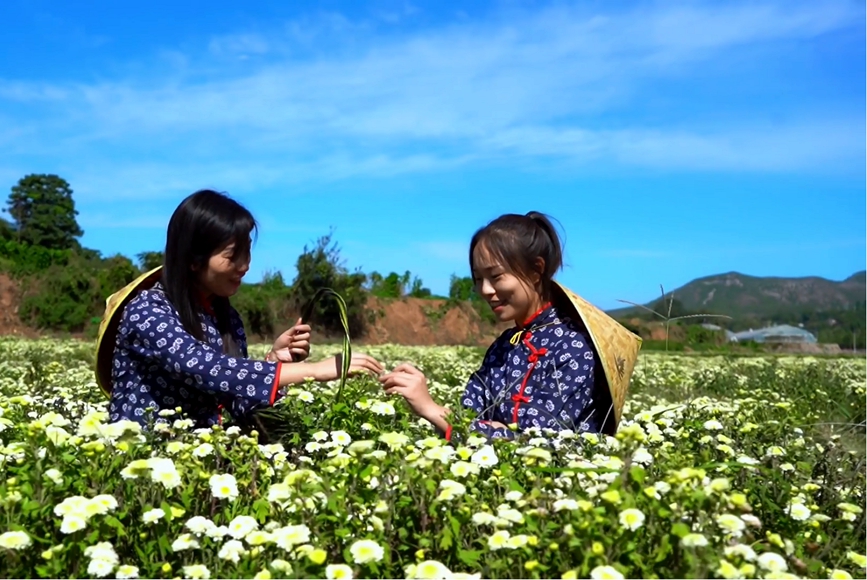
(291, 346)
(410, 383)
(330, 368)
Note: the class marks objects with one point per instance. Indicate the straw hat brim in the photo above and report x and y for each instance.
(105, 340)
(616, 347)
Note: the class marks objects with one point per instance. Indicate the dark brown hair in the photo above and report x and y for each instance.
(517, 241)
(202, 224)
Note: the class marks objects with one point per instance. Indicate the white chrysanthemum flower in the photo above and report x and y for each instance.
(631, 518)
(772, 562)
(729, 571)
(126, 572)
(430, 570)
(798, 511)
(15, 540)
(485, 456)
(382, 408)
(54, 475)
(232, 551)
(510, 514)
(241, 526)
(483, 518)
(72, 523)
(224, 486)
(341, 438)
(338, 572)
(565, 504)
(197, 572)
(605, 573)
(153, 515)
(306, 397)
(203, 450)
(693, 541)
(364, 551)
(498, 540)
(184, 542)
(731, 524)
(199, 525)
(290, 536)
(450, 490)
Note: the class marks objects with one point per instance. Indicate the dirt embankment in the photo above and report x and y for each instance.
(414, 321)
(10, 299)
(409, 321)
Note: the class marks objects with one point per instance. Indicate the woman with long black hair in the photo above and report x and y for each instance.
(180, 343)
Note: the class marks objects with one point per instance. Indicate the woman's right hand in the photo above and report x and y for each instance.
(330, 368)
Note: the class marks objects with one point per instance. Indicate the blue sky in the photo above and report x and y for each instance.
(670, 140)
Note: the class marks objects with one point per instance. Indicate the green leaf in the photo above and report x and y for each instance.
(515, 486)
(680, 529)
(637, 474)
(456, 525)
(469, 557)
(446, 539)
(30, 505)
(663, 550)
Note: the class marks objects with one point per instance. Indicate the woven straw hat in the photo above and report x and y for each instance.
(616, 347)
(107, 336)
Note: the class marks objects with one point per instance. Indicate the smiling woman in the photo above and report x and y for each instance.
(565, 365)
(172, 339)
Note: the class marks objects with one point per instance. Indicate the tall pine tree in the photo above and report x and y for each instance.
(44, 212)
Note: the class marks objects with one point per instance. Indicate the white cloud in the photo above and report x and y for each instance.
(239, 45)
(522, 87)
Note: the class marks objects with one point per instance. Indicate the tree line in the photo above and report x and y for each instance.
(64, 285)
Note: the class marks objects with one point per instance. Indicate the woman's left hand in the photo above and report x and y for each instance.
(293, 345)
(410, 383)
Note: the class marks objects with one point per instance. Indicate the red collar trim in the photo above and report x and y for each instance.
(536, 314)
(205, 301)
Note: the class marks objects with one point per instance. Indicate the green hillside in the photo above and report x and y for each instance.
(741, 296)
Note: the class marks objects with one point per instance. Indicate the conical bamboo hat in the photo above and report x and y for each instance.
(616, 347)
(107, 336)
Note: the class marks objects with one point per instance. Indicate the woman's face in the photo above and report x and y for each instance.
(510, 297)
(223, 274)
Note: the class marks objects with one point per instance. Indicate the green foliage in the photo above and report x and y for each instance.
(22, 259)
(62, 298)
(396, 286)
(44, 212)
(321, 267)
(463, 290)
(264, 306)
(68, 296)
(7, 230)
(149, 260)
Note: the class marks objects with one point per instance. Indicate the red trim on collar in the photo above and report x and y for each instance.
(535, 314)
(205, 301)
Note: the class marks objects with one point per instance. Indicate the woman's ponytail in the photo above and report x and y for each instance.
(553, 250)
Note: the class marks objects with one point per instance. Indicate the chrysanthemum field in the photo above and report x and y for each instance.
(722, 468)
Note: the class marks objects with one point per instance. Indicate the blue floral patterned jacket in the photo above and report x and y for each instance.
(539, 375)
(158, 364)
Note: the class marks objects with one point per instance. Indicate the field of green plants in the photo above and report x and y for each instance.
(722, 468)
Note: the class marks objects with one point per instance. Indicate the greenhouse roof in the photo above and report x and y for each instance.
(780, 332)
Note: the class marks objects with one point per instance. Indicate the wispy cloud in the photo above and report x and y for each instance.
(520, 88)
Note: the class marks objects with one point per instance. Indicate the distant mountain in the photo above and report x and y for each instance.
(741, 296)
